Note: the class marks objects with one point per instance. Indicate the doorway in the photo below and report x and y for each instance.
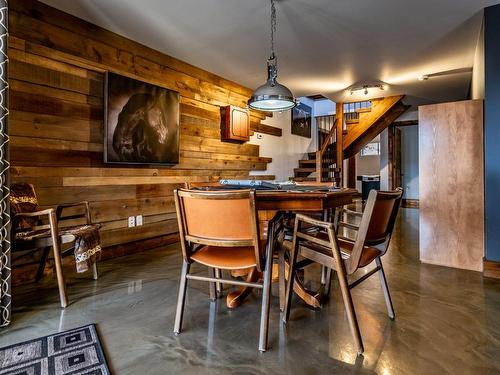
(403, 161)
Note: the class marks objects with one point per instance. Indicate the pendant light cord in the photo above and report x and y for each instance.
(273, 29)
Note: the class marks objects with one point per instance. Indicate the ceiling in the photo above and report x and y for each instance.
(323, 46)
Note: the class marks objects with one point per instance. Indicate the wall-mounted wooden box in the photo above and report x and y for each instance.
(235, 124)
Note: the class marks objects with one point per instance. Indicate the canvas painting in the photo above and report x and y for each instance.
(142, 122)
(301, 120)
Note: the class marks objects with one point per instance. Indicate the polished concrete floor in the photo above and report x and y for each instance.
(447, 320)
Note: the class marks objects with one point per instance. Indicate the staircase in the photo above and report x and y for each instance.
(357, 124)
(307, 167)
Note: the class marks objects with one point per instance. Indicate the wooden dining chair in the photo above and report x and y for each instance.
(36, 231)
(346, 256)
(325, 215)
(220, 230)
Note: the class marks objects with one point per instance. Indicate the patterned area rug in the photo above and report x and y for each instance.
(77, 351)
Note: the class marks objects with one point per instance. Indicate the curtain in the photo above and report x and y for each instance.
(5, 287)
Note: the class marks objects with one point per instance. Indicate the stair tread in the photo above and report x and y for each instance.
(302, 179)
(332, 169)
(308, 161)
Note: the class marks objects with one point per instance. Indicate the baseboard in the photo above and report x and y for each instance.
(441, 264)
(26, 274)
(491, 269)
(410, 203)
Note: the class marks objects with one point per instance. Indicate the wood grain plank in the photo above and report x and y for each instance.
(52, 78)
(265, 129)
(122, 208)
(21, 101)
(99, 181)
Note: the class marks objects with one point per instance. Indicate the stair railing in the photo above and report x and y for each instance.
(325, 156)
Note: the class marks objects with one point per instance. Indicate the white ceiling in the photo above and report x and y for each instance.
(323, 46)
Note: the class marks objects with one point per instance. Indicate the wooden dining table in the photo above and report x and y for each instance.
(269, 203)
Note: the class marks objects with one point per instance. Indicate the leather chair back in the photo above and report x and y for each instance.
(385, 209)
(218, 218)
(377, 224)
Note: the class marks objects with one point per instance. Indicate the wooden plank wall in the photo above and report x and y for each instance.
(57, 66)
(451, 184)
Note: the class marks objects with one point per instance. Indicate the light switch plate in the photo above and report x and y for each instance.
(138, 220)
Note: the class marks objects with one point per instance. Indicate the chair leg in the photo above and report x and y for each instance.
(43, 262)
(95, 275)
(328, 282)
(54, 232)
(290, 281)
(281, 277)
(323, 275)
(181, 298)
(211, 284)
(266, 292)
(218, 286)
(349, 307)
(385, 289)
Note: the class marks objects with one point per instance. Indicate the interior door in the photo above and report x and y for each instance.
(396, 159)
(409, 162)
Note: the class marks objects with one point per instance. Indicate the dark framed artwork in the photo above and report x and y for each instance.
(301, 120)
(141, 122)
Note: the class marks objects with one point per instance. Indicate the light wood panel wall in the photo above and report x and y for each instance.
(57, 66)
(451, 184)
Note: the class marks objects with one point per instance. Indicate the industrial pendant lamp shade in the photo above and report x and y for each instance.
(272, 96)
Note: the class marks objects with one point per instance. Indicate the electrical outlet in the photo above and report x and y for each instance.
(131, 221)
(138, 220)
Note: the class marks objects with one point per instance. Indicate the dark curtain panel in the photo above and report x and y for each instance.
(5, 291)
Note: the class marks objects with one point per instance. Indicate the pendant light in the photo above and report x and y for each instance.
(272, 96)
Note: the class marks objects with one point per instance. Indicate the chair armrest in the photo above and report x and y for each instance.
(313, 221)
(85, 204)
(47, 212)
(38, 225)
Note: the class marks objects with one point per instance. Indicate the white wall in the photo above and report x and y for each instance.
(286, 150)
(323, 107)
(408, 116)
(477, 86)
(384, 160)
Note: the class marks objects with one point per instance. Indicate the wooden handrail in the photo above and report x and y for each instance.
(319, 154)
(328, 138)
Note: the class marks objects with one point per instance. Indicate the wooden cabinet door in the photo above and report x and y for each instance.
(240, 125)
(235, 124)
